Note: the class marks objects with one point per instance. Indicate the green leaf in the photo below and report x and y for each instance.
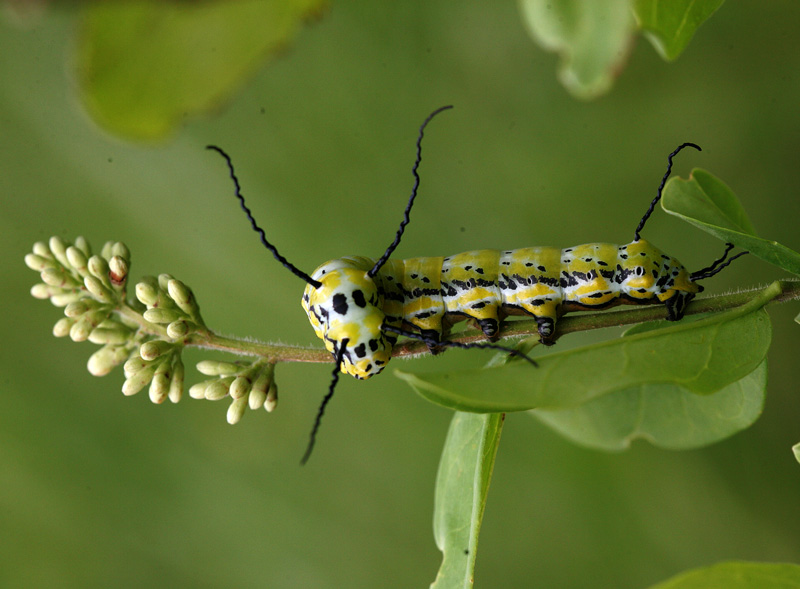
(702, 357)
(671, 24)
(665, 415)
(591, 37)
(706, 202)
(462, 484)
(737, 575)
(144, 66)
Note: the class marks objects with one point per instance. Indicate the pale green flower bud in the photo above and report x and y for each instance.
(58, 277)
(158, 315)
(110, 335)
(236, 410)
(198, 391)
(118, 270)
(138, 381)
(95, 286)
(106, 359)
(59, 250)
(78, 308)
(272, 398)
(176, 386)
(40, 249)
(134, 365)
(178, 329)
(38, 263)
(218, 389)
(77, 259)
(256, 399)
(105, 251)
(83, 245)
(62, 326)
(240, 387)
(154, 349)
(121, 250)
(163, 281)
(183, 297)
(262, 382)
(98, 267)
(217, 368)
(146, 293)
(159, 387)
(44, 291)
(62, 300)
(79, 332)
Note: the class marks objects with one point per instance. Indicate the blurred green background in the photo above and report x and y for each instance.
(101, 490)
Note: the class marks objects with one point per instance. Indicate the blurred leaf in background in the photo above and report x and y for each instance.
(146, 66)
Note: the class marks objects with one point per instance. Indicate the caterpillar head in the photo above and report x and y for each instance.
(347, 307)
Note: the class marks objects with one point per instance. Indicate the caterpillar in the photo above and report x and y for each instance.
(359, 306)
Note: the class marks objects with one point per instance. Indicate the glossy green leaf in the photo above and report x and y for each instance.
(702, 357)
(737, 575)
(144, 66)
(706, 202)
(666, 415)
(592, 39)
(671, 24)
(462, 484)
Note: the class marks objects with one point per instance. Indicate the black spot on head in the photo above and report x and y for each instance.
(587, 260)
(479, 270)
(528, 264)
(601, 263)
(468, 267)
(426, 280)
(340, 303)
(642, 254)
(541, 268)
(506, 263)
(373, 345)
(360, 350)
(358, 298)
(414, 276)
(569, 249)
(623, 256)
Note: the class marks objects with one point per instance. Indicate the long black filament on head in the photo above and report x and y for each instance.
(452, 344)
(717, 265)
(286, 264)
(406, 218)
(661, 188)
(335, 378)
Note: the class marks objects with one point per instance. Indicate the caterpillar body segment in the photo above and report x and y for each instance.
(430, 294)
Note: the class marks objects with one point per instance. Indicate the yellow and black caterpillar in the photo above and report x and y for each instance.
(359, 306)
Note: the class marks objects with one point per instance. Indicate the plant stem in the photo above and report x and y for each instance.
(207, 339)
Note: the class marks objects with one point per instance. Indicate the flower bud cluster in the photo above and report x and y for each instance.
(89, 287)
(158, 364)
(247, 384)
(170, 302)
(148, 333)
